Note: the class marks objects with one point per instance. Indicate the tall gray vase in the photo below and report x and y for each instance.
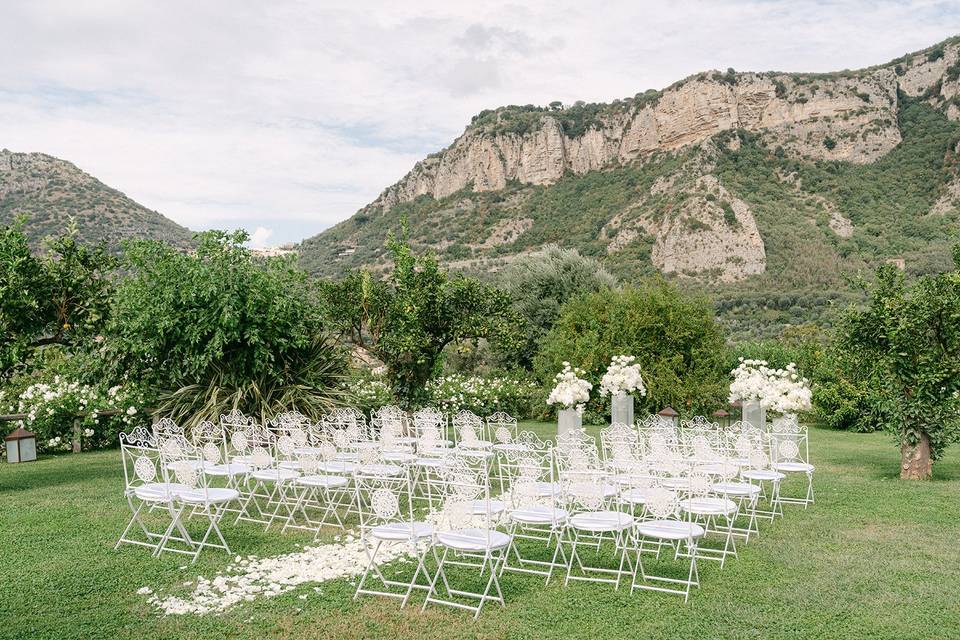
(568, 420)
(755, 415)
(621, 409)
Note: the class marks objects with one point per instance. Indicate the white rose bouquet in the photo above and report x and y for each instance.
(780, 390)
(622, 376)
(571, 391)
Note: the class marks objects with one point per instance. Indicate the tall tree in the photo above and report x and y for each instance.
(407, 320)
(61, 297)
(913, 334)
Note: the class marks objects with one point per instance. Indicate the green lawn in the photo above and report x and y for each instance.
(874, 558)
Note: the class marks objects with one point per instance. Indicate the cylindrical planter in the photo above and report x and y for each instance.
(568, 420)
(621, 409)
(755, 414)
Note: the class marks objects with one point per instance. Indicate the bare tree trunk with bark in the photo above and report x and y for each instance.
(915, 461)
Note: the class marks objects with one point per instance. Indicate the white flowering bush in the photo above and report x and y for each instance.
(369, 392)
(52, 406)
(622, 376)
(482, 395)
(777, 390)
(571, 390)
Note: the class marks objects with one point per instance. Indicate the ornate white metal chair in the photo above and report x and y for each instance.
(470, 531)
(146, 489)
(470, 431)
(592, 523)
(387, 519)
(666, 527)
(534, 512)
(790, 450)
(186, 467)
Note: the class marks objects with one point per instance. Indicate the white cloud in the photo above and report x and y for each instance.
(291, 115)
(259, 237)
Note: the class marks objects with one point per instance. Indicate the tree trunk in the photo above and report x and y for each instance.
(915, 462)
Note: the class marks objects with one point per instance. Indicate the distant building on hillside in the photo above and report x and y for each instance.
(271, 252)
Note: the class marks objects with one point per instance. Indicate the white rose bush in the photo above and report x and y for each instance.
(622, 376)
(571, 390)
(52, 406)
(777, 390)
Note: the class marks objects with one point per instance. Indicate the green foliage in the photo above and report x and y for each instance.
(307, 379)
(408, 320)
(222, 329)
(674, 337)
(59, 298)
(912, 333)
(540, 284)
(829, 143)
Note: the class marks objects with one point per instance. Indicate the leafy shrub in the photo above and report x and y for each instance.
(221, 329)
(674, 337)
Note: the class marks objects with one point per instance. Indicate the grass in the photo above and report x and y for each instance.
(874, 558)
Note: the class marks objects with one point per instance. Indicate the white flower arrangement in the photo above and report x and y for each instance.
(622, 376)
(571, 391)
(779, 390)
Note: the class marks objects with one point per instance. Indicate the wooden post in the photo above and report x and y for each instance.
(76, 435)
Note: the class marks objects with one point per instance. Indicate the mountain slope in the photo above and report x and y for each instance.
(768, 190)
(49, 191)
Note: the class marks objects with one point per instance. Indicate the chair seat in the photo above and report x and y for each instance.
(159, 491)
(670, 529)
(547, 489)
(337, 466)
(762, 474)
(226, 470)
(675, 483)
(538, 514)
(634, 496)
(399, 457)
(275, 475)
(379, 470)
(290, 464)
(467, 452)
(210, 496)
(402, 531)
(474, 539)
(600, 521)
(248, 460)
(479, 507)
(329, 482)
(794, 467)
(308, 451)
(709, 506)
(433, 463)
(736, 488)
(724, 469)
(511, 446)
(475, 444)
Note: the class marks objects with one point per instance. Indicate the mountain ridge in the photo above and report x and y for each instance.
(763, 189)
(47, 190)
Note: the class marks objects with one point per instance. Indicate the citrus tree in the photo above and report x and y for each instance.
(60, 297)
(408, 319)
(912, 334)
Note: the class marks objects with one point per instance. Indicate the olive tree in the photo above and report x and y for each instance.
(539, 284)
(912, 334)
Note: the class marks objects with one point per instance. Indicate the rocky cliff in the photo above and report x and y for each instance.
(733, 182)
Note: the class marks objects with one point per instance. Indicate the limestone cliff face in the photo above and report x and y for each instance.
(851, 118)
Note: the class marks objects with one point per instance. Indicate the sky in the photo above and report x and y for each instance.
(285, 117)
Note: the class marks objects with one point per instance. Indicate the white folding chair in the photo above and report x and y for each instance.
(470, 531)
(666, 527)
(386, 518)
(147, 490)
